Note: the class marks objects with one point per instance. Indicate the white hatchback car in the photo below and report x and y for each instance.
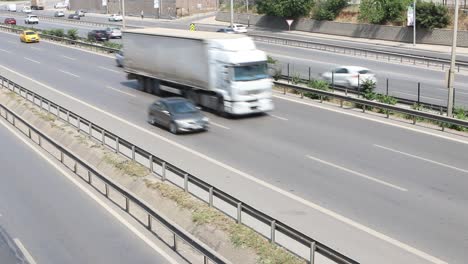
(31, 19)
(115, 17)
(239, 28)
(349, 76)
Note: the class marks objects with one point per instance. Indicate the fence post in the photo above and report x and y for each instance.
(273, 228)
(387, 88)
(309, 73)
(288, 72)
(419, 91)
(239, 212)
(333, 80)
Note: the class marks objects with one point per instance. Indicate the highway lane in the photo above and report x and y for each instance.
(54, 220)
(403, 79)
(319, 144)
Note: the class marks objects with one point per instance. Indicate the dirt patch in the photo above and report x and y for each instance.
(237, 243)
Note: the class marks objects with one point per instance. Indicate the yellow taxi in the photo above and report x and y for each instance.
(29, 36)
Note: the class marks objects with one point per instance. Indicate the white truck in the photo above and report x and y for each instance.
(37, 4)
(223, 72)
(11, 7)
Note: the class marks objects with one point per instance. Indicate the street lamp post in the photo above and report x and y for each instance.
(414, 23)
(123, 14)
(232, 13)
(451, 75)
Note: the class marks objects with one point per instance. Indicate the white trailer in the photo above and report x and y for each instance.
(224, 72)
(37, 4)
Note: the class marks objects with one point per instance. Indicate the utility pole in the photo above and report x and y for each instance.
(232, 13)
(247, 5)
(451, 75)
(123, 14)
(414, 23)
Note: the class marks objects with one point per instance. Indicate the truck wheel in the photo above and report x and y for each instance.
(173, 128)
(220, 107)
(148, 85)
(157, 88)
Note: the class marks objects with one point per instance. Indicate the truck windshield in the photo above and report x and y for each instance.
(250, 72)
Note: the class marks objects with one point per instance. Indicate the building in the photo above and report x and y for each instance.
(150, 8)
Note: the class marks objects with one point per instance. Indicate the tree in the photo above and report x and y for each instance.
(383, 11)
(285, 8)
(329, 9)
(430, 15)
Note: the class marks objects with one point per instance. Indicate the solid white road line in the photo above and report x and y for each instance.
(23, 250)
(365, 117)
(279, 117)
(6, 51)
(219, 125)
(93, 196)
(70, 58)
(69, 73)
(415, 95)
(117, 90)
(358, 174)
(272, 187)
(111, 70)
(35, 61)
(423, 159)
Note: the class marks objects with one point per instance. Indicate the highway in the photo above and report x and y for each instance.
(402, 79)
(403, 184)
(52, 221)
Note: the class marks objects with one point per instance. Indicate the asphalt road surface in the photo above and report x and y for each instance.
(407, 185)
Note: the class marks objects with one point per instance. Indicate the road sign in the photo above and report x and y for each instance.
(192, 27)
(289, 21)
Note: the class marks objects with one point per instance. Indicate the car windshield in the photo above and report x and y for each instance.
(32, 16)
(30, 33)
(250, 72)
(365, 72)
(181, 107)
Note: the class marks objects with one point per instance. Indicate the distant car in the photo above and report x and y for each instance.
(178, 115)
(31, 19)
(26, 9)
(349, 76)
(11, 7)
(74, 16)
(98, 35)
(81, 13)
(238, 28)
(60, 5)
(119, 58)
(29, 36)
(59, 14)
(226, 30)
(10, 21)
(115, 18)
(114, 32)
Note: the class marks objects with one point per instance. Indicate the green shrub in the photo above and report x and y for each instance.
(285, 8)
(57, 32)
(367, 89)
(386, 99)
(277, 74)
(112, 45)
(295, 79)
(383, 11)
(320, 85)
(459, 113)
(430, 15)
(329, 9)
(72, 34)
(270, 60)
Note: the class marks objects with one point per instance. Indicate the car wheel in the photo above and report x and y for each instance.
(173, 128)
(151, 120)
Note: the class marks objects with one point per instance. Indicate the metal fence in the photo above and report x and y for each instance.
(443, 121)
(393, 57)
(272, 229)
(112, 191)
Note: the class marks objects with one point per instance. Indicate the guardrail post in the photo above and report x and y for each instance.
(313, 247)
(29, 132)
(133, 152)
(13, 119)
(272, 234)
(75, 167)
(68, 116)
(186, 182)
(103, 137)
(90, 178)
(90, 130)
(150, 222)
(61, 156)
(40, 103)
(106, 188)
(175, 241)
(127, 205)
(48, 107)
(39, 140)
(117, 145)
(78, 119)
(419, 91)
(163, 171)
(363, 108)
(341, 103)
(414, 120)
(205, 259)
(150, 163)
(210, 196)
(58, 112)
(239, 213)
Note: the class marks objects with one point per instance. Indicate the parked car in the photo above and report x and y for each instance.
(59, 14)
(74, 16)
(177, 114)
(114, 32)
(10, 21)
(115, 18)
(238, 28)
(226, 30)
(119, 58)
(29, 36)
(98, 35)
(31, 19)
(26, 9)
(60, 5)
(81, 13)
(349, 76)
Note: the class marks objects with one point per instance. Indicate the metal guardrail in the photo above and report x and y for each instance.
(91, 176)
(279, 233)
(67, 41)
(388, 56)
(443, 120)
